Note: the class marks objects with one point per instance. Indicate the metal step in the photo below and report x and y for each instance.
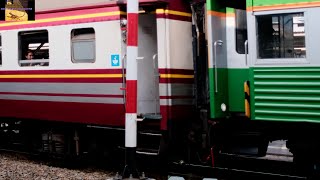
(150, 133)
(143, 151)
(151, 116)
(151, 152)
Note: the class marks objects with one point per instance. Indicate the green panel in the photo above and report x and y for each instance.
(216, 99)
(229, 10)
(249, 3)
(277, 2)
(216, 6)
(236, 79)
(286, 94)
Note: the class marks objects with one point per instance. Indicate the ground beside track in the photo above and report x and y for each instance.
(15, 167)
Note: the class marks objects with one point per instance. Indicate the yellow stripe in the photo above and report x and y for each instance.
(246, 88)
(247, 108)
(175, 76)
(162, 11)
(85, 76)
(64, 18)
(61, 76)
(246, 101)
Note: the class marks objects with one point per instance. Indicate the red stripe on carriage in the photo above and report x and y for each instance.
(132, 29)
(87, 113)
(63, 80)
(66, 71)
(131, 94)
(89, 79)
(63, 94)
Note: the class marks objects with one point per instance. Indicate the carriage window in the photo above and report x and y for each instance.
(83, 45)
(34, 48)
(241, 30)
(281, 36)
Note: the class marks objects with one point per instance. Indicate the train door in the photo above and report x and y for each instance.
(238, 71)
(217, 57)
(227, 56)
(148, 75)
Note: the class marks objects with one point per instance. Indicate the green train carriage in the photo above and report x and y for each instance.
(257, 75)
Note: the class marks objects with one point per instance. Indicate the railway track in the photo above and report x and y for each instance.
(227, 167)
(277, 164)
(199, 172)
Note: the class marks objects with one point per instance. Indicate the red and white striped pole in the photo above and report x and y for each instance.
(131, 87)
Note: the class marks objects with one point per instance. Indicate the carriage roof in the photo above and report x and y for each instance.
(45, 5)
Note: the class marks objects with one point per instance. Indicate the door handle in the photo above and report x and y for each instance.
(216, 43)
(124, 78)
(246, 51)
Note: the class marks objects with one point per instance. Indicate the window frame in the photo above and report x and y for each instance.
(21, 51)
(279, 61)
(236, 31)
(91, 61)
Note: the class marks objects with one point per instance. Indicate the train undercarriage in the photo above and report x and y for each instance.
(189, 145)
(97, 144)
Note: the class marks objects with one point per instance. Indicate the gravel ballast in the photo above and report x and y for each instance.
(16, 168)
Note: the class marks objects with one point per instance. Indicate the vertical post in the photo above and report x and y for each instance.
(131, 88)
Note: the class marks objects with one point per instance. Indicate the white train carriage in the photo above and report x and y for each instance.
(77, 77)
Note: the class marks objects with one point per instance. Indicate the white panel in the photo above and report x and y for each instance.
(180, 45)
(210, 41)
(161, 36)
(9, 50)
(131, 130)
(312, 35)
(108, 42)
(218, 27)
(235, 60)
(104, 100)
(174, 44)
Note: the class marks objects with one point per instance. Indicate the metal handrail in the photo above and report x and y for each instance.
(220, 43)
(124, 78)
(246, 51)
(156, 74)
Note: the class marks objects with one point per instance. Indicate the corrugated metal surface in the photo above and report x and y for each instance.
(286, 94)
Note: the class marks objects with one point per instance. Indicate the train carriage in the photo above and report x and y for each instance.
(77, 80)
(262, 68)
(213, 76)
